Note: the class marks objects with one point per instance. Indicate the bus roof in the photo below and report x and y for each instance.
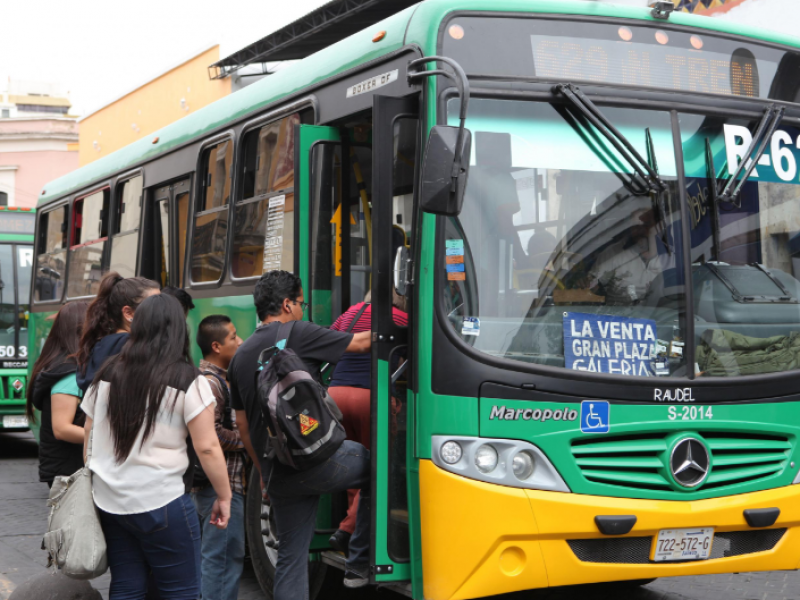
(416, 25)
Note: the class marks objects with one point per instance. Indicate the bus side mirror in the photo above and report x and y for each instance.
(445, 170)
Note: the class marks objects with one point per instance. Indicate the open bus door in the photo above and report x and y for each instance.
(395, 142)
(354, 189)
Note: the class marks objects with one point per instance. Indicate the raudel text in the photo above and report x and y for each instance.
(673, 395)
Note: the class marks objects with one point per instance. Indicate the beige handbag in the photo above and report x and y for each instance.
(74, 540)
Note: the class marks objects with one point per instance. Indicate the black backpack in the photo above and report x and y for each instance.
(303, 428)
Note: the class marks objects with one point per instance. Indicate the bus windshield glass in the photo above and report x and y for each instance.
(746, 257)
(631, 55)
(556, 258)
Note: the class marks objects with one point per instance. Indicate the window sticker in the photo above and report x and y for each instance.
(610, 344)
(455, 268)
(471, 326)
(454, 260)
(273, 237)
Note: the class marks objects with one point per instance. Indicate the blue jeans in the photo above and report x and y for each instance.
(294, 496)
(222, 549)
(165, 540)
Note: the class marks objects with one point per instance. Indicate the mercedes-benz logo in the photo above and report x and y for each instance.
(690, 462)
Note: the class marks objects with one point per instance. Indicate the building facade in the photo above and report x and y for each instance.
(150, 106)
(38, 142)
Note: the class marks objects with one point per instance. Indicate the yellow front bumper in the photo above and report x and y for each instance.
(481, 539)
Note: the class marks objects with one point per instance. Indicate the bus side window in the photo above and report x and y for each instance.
(125, 235)
(264, 215)
(156, 248)
(51, 251)
(211, 214)
(89, 236)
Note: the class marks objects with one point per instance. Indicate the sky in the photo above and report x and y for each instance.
(98, 50)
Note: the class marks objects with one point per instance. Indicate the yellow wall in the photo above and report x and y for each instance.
(151, 107)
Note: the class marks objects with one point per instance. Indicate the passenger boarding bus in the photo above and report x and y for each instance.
(592, 213)
(16, 264)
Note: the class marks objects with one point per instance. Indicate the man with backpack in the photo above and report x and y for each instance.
(222, 550)
(291, 428)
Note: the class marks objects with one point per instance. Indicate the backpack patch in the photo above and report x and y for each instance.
(307, 424)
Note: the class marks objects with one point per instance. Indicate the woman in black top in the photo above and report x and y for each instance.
(108, 321)
(54, 392)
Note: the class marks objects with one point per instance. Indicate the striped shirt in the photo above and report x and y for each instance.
(355, 370)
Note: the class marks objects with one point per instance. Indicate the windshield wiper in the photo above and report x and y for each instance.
(660, 210)
(641, 167)
(766, 127)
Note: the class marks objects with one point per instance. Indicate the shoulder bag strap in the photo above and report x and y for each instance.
(91, 433)
(222, 384)
(357, 317)
(284, 332)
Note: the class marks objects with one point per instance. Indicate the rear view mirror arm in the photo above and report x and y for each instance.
(462, 83)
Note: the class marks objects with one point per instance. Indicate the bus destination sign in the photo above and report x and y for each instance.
(625, 53)
(638, 64)
(17, 222)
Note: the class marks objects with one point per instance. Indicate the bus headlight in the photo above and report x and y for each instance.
(514, 463)
(451, 452)
(486, 459)
(523, 465)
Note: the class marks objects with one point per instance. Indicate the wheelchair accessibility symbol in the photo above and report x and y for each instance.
(595, 416)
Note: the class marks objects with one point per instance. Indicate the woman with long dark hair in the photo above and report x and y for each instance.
(54, 391)
(108, 321)
(139, 410)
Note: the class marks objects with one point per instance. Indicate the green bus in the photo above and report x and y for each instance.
(598, 225)
(16, 265)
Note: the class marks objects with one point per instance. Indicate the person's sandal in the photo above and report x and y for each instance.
(340, 541)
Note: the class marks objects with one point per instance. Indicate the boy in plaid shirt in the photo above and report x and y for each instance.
(222, 550)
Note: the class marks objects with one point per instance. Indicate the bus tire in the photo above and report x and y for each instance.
(263, 558)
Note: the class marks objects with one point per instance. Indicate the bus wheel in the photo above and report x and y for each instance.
(260, 530)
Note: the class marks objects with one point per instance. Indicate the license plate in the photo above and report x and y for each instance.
(14, 421)
(683, 544)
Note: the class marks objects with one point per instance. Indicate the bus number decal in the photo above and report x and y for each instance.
(781, 159)
(373, 83)
(690, 413)
(8, 352)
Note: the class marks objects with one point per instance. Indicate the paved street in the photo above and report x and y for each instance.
(24, 518)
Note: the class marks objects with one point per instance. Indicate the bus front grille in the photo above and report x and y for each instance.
(641, 462)
(636, 550)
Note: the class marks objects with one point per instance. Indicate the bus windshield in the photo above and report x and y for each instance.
(556, 258)
(746, 258)
(15, 276)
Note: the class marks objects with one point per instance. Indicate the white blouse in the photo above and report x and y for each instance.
(152, 475)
